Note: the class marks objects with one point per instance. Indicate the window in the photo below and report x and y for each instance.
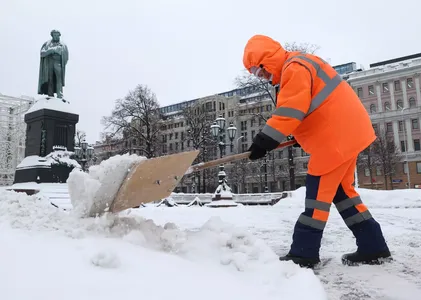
(403, 148)
(389, 127)
(372, 108)
(387, 106)
(415, 124)
(385, 87)
(419, 167)
(401, 126)
(378, 171)
(376, 127)
(360, 92)
(417, 145)
(405, 167)
(305, 166)
(412, 102)
(366, 172)
(280, 154)
(399, 104)
(371, 90)
(397, 85)
(409, 83)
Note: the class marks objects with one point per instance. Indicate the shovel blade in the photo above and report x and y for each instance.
(152, 179)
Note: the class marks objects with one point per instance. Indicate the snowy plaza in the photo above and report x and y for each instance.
(199, 252)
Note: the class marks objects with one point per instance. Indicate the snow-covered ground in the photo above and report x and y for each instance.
(198, 252)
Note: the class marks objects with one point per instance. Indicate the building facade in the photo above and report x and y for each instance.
(391, 93)
(389, 90)
(12, 135)
(247, 109)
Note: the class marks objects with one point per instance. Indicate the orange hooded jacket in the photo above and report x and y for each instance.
(314, 104)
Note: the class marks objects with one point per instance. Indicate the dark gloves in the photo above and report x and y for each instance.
(256, 152)
(262, 143)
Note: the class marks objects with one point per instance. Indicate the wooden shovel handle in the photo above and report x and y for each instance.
(230, 158)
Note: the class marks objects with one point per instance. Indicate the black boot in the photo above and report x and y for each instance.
(305, 262)
(356, 258)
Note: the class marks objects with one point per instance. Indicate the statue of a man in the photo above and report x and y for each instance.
(52, 69)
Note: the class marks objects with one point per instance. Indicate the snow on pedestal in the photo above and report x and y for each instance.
(223, 195)
(52, 103)
(58, 157)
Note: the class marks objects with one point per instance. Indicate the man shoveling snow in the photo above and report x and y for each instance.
(327, 119)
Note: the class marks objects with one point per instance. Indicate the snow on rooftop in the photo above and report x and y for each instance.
(384, 69)
(52, 104)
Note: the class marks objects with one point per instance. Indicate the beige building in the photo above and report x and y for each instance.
(247, 110)
(391, 92)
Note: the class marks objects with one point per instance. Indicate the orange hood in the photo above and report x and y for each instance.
(263, 51)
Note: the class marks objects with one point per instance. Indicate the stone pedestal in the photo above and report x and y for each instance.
(50, 133)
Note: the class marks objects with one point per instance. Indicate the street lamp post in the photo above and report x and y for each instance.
(84, 153)
(265, 168)
(223, 191)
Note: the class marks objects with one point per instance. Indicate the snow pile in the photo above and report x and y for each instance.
(391, 199)
(123, 252)
(59, 157)
(93, 192)
(406, 198)
(167, 202)
(62, 157)
(195, 201)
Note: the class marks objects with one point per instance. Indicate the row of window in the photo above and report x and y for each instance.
(401, 125)
(385, 88)
(182, 105)
(404, 169)
(399, 105)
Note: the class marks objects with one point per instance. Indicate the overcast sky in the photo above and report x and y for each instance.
(185, 49)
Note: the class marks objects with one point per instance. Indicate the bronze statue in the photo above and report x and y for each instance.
(52, 69)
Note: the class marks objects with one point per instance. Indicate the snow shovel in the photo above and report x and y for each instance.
(155, 179)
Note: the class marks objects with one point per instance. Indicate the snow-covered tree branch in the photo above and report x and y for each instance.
(137, 118)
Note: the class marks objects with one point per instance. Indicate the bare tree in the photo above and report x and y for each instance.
(137, 118)
(237, 175)
(301, 47)
(198, 119)
(387, 156)
(79, 137)
(366, 161)
(255, 85)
